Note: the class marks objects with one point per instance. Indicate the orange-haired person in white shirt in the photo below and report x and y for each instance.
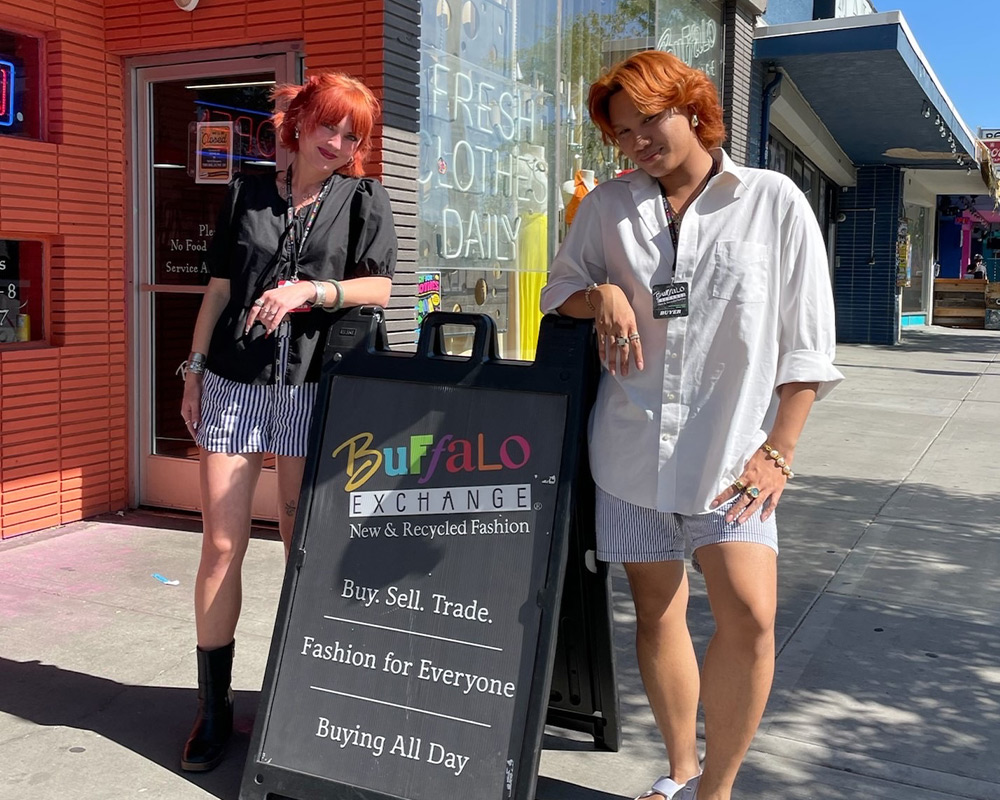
(708, 284)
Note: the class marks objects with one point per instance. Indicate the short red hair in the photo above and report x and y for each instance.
(655, 81)
(327, 97)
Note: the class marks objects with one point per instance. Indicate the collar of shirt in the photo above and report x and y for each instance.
(648, 199)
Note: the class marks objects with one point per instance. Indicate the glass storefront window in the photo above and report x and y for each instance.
(20, 79)
(22, 301)
(784, 157)
(504, 133)
(919, 257)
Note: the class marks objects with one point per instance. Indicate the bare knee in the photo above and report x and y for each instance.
(219, 551)
(747, 625)
(660, 594)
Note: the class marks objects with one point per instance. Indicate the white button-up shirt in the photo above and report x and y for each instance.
(675, 434)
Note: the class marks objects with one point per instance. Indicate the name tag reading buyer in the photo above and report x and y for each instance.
(670, 300)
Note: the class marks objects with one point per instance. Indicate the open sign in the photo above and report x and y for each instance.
(6, 93)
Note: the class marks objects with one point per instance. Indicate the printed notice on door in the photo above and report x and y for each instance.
(213, 157)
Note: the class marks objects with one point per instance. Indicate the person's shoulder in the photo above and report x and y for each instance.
(767, 181)
(369, 187)
(620, 186)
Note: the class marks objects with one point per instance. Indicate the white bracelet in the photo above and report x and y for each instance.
(320, 294)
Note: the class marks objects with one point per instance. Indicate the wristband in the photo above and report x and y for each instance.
(320, 294)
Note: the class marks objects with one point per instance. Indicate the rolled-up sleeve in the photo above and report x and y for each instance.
(807, 325)
(580, 260)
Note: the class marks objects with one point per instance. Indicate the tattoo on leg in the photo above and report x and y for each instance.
(290, 509)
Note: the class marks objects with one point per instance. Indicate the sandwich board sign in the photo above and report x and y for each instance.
(414, 644)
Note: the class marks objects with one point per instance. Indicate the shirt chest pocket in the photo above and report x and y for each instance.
(740, 271)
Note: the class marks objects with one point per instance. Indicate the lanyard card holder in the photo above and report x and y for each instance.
(670, 300)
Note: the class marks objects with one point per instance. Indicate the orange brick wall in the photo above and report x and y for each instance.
(64, 412)
(63, 441)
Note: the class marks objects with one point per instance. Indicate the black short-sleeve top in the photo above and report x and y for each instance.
(352, 237)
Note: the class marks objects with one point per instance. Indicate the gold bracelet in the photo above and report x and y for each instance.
(778, 459)
(586, 296)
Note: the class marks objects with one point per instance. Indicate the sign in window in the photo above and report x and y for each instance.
(6, 94)
(20, 81)
(21, 299)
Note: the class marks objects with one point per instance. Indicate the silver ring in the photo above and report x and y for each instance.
(259, 302)
(634, 337)
(621, 341)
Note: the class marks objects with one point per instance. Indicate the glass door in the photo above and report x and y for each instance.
(196, 125)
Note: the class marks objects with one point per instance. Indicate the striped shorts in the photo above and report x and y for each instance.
(628, 533)
(244, 418)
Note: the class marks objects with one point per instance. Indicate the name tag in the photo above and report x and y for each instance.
(670, 300)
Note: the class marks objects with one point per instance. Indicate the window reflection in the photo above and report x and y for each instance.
(504, 126)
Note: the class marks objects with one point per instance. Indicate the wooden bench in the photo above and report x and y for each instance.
(960, 302)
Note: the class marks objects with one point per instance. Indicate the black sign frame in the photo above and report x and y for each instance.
(358, 350)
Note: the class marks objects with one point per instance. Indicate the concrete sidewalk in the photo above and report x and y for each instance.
(888, 679)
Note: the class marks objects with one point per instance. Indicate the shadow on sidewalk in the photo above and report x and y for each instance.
(151, 721)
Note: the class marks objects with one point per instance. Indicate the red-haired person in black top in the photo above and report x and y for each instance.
(287, 250)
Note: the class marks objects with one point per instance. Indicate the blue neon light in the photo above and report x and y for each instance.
(6, 94)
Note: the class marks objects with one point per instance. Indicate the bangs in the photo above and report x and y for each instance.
(326, 98)
(329, 108)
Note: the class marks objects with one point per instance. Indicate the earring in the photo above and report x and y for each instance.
(694, 120)
(296, 133)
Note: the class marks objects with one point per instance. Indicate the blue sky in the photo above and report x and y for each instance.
(958, 38)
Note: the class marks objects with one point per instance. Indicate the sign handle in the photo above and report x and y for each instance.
(432, 345)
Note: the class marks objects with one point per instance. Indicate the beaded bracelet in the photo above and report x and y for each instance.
(778, 459)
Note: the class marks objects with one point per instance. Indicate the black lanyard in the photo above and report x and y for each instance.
(297, 243)
(674, 219)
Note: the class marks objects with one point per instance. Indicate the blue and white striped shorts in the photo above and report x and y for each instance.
(244, 418)
(628, 533)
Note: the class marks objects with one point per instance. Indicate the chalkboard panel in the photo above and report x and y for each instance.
(420, 602)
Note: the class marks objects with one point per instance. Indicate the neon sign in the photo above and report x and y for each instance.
(6, 94)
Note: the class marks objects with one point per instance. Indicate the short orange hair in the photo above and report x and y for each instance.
(655, 81)
(327, 97)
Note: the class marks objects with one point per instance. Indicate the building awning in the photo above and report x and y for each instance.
(871, 86)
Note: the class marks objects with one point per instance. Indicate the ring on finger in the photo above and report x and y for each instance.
(739, 486)
(634, 337)
(752, 492)
(621, 341)
(259, 302)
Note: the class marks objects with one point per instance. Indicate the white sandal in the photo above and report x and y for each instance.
(664, 785)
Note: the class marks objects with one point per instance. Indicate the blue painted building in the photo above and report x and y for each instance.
(851, 109)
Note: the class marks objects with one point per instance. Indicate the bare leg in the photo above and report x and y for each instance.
(290, 469)
(227, 487)
(667, 660)
(741, 578)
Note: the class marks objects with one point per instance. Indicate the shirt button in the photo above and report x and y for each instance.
(664, 438)
(673, 355)
(671, 396)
